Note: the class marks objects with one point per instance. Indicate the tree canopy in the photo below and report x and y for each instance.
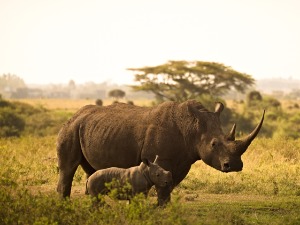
(182, 80)
(116, 93)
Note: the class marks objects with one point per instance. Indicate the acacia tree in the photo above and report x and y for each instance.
(182, 80)
(116, 93)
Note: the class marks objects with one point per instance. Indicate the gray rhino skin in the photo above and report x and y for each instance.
(141, 178)
(122, 135)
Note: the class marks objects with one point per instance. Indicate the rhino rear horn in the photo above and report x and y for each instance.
(219, 108)
(231, 135)
(243, 144)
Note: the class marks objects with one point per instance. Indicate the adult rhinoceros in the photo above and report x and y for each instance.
(121, 135)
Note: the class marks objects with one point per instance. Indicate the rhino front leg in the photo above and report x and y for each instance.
(69, 157)
(65, 182)
(67, 165)
(163, 195)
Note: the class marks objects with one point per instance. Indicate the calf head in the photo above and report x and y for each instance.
(159, 176)
(219, 150)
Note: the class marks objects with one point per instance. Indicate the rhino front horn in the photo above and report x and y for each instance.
(243, 144)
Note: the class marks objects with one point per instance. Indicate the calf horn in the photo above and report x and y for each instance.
(243, 144)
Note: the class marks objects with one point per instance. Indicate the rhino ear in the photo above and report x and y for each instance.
(219, 108)
(195, 107)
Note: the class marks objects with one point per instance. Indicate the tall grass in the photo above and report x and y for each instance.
(267, 191)
(271, 167)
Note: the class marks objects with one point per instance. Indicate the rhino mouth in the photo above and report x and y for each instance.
(230, 170)
(226, 168)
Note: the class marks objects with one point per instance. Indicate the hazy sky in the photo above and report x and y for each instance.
(54, 41)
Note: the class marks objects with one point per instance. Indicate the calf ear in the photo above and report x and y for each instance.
(219, 108)
(146, 161)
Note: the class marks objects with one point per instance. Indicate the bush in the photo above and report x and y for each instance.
(22, 207)
(17, 118)
(99, 102)
(288, 126)
(45, 123)
(253, 98)
(11, 124)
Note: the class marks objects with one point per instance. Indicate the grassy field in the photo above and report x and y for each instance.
(267, 191)
(74, 104)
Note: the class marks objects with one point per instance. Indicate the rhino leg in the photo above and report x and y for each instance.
(69, 158)
(88, 169)
(65, 181)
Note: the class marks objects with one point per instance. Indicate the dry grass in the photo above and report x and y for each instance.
(267, 191)
(74, 104)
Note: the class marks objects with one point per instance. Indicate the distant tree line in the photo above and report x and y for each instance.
(11, 86)
(206, 82)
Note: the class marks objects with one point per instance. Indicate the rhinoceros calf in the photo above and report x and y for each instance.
(141, 178)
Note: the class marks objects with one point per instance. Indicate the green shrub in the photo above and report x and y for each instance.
(253, 98)
(45, 123)
(21, 207)
(99, 102)
(17, 118)
(11, 124)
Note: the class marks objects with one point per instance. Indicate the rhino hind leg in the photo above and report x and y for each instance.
(88, 169)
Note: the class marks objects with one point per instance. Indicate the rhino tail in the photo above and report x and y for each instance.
(86, 187)
(81, 141)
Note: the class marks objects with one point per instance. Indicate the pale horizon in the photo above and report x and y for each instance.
(96, 41)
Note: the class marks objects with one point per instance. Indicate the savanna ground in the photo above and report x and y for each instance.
(267, 191)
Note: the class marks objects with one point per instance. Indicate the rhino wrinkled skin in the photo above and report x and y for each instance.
(122, 135)
(141, 178)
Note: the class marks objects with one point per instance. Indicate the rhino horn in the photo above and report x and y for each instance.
(243, 144)
(155, 160)
(219, 108)
(231, 135)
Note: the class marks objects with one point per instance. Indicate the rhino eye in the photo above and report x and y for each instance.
(157, 174)
(214, 143)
